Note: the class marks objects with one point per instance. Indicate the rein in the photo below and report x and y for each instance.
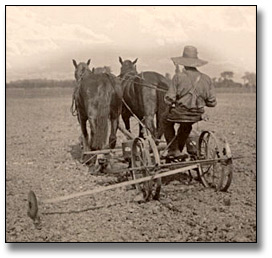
(154, 87)
(127, 78)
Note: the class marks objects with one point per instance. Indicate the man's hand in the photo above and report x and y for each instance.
(173, 105)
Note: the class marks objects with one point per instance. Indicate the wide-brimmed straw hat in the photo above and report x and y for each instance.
(189, 58)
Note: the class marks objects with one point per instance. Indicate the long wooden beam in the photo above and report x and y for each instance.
(114, 186)
(105, 151)
(179, 164)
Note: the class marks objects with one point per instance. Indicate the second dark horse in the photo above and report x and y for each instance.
(144, 96)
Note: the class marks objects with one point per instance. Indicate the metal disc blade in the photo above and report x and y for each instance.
(32, 205)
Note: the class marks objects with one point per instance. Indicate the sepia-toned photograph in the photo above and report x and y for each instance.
(130, 124)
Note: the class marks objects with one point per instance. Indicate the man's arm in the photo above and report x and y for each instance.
(211, 98)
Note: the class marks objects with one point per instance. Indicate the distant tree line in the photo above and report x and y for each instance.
(41, 83)
(44, 83)
(226, 80)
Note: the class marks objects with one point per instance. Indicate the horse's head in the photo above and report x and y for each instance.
(81, 69)
(127, 66)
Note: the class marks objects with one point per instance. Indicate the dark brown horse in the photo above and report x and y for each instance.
(144, 94)
(98, 99)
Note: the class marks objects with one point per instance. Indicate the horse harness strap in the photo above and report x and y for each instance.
(192, 90)
(151, 86)
(73, 108)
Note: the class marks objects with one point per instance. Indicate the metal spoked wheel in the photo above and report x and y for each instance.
(155, 161)
(218, 174)
(227, 167)
(144, 154)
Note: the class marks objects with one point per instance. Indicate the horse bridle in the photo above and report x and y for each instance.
(73, 108)
(80, 76)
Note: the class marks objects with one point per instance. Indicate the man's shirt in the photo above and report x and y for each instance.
(192, 90)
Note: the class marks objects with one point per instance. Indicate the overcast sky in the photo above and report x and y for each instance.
(42, 41)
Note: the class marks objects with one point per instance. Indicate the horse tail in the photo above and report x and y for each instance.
(101, 126)
(161, 105)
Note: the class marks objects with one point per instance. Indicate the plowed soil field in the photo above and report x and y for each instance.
(43, 153)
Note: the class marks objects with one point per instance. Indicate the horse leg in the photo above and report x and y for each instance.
(92, 131)
(114, 127)
(80, 138)
(85, 138)
(149, 107)
(141, 133)
(149, 123)
(125, 117)
(160, 117)
(85, 135)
